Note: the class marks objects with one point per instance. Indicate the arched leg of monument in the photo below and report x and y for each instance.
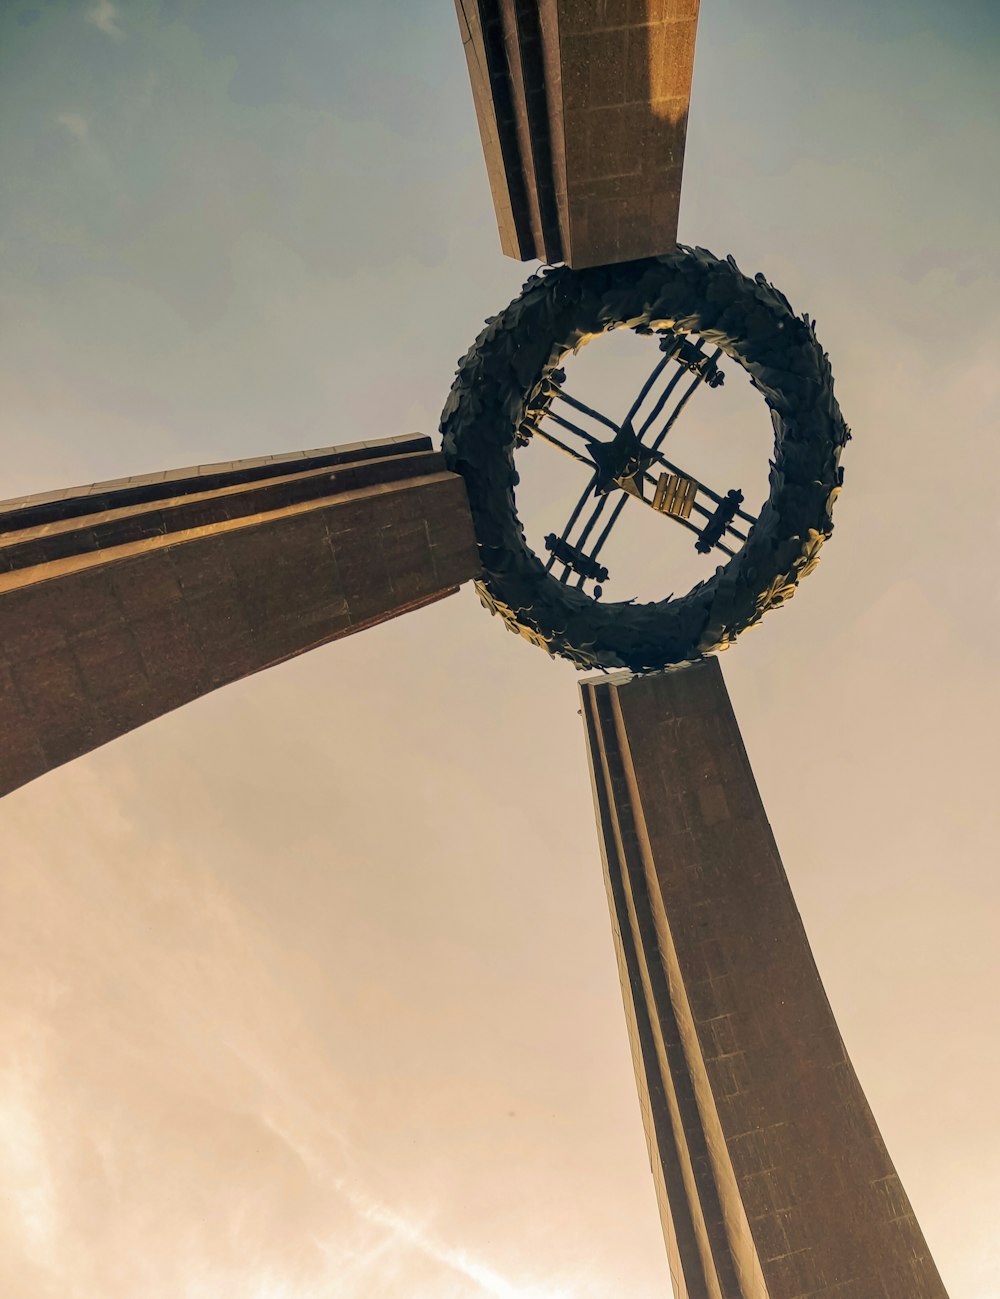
(772, 1178)
(122, 601)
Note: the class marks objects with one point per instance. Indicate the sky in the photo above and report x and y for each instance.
(309, 987)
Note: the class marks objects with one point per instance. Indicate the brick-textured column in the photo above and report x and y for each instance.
(772, 1178)
(121, 601)
(582, 109)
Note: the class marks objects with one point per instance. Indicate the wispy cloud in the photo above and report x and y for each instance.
(227, 1088)
(104, 16)
(405, 1230)
(397, 1229)
(26, 1168)
(76, 124)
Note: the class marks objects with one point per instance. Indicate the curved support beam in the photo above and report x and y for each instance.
(122, 601)
(772, 1178)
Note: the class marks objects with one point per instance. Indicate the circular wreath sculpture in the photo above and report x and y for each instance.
(687, 291)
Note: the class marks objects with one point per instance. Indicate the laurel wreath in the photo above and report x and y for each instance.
(688, 291)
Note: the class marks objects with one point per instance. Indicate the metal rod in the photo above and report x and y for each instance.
(586, 410)
(702, 487)
(619, 506)
(658, 441)
(549, 437)
(693, 528)
(572, 519)
(663, 399)
(696, 505)
(749, 518)
(685, 523)
(601, 502)
(675, 469)
(573, 428)
(672, 418)
(654, 448)
(644, 391)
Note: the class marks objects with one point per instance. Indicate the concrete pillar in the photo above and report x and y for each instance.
(582, 109)
(772, 1178)
(121, 601)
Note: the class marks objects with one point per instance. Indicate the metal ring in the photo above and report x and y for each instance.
(689, 291)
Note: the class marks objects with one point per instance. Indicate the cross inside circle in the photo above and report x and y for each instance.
(630, 465)
(511, 390)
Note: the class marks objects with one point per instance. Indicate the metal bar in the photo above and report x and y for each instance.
(663, 399)
(644, 391)
(549, 437)
(573, 428)
(654, 448)
(658, 441)
(619, 506)
(572, 519)
(697, 531)
(601, 502)
(696, 505)
(586, 410)
(669, 388)
(672, 419)
(691, 527)
(686, 523)
(674, 469)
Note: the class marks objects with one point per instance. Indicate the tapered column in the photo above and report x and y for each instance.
(772, 1178)
(121, 601)
(582, 109)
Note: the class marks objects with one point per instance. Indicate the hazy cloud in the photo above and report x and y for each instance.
(400, 1229)
(104, 15)
(76, 124)
(308, 989)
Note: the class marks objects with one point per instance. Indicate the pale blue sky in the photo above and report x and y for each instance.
(313, 990)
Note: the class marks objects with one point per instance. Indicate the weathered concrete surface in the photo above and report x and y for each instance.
(773, 1180)
(121, 601)
(582, 108)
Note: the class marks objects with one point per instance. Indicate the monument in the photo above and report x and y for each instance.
(771, 1176)
(123, 600)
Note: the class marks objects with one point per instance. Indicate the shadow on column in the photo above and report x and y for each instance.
(582, 109)
(772, 1178)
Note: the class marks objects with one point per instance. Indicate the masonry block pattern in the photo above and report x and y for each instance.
(124, 600)
(772, 1178)
(582, 108)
